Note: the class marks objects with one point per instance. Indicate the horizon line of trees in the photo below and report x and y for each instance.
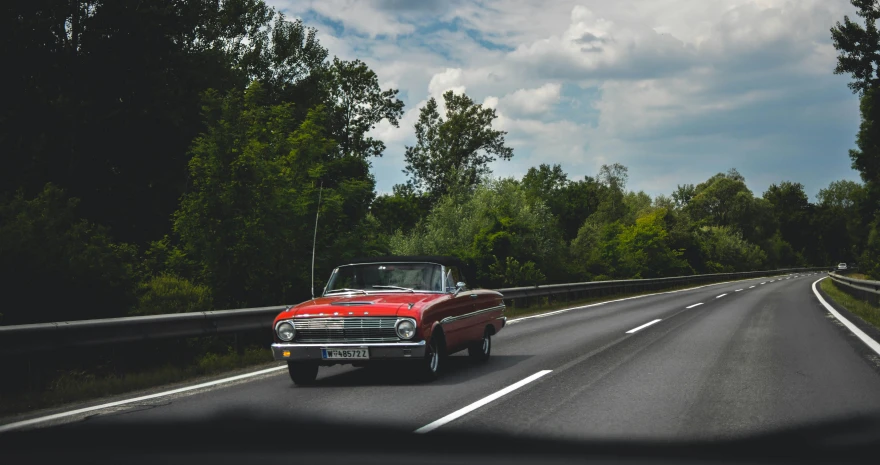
(169, 158)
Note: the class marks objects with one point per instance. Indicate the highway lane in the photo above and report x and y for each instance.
(745, 359)
(760, 361)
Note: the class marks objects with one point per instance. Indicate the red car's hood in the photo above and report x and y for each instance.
(358, 305)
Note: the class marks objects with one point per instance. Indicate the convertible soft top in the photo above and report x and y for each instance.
(439, 259)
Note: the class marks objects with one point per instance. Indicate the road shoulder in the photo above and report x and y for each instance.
(857, 344)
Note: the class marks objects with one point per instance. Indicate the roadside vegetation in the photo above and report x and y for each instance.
(196, 188)
(861, 308)
(75, 385)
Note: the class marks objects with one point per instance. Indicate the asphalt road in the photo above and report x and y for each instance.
(765, 357)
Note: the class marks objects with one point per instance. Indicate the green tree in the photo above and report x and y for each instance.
(644, 252)
(723, 250)
(107, 95)
(683, 195)
(571, 202)
(46, 247)
(793, 210)
(859, 56)
(357, 104)
(256, 173)
(166, 293)
(612, 181)
(401, 210)
(595, 250)
(859, 47)
(496, 221)
(638, 204)
(455, 152)
(837, 222)
(510, 273)
(725, 200)
(543, 181)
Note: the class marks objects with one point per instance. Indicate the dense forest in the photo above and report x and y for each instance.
(169, 156)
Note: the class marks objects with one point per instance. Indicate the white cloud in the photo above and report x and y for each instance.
(450, 79)
(360, 16)
(676, 89)
(532, 101)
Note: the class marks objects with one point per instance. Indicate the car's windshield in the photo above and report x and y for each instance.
(386, 277)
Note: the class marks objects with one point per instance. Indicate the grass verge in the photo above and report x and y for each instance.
(76, 386)
(864, 310)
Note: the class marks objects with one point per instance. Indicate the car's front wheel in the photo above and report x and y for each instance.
(430, 366)
(301, 373)
(480, 351)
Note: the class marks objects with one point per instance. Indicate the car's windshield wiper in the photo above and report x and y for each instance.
(345, 289)
(394, 287)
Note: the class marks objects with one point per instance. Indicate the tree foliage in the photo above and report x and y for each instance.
(46, 247)
(256, 175)
(496, 221)
(357, 104)
(453, 153)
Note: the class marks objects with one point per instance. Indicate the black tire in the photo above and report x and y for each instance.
(302, 373)
(480, 351)
(431, 366)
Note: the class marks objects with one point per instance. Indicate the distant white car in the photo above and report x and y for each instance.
(841, 266)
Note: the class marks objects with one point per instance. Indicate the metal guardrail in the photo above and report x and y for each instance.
(573, 291)
(861, 288)
(53, 336)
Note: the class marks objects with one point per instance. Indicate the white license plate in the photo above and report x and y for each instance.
(356, 354)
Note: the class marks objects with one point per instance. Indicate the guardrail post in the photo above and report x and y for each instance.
(236, 346)
(31, 383)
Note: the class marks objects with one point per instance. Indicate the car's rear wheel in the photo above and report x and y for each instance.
(301, 373)
(431, 365)
(480, 351)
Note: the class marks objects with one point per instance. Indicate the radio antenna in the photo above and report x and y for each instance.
(315, 237)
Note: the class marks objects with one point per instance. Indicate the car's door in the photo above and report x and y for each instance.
(458, 320)
(488, 306)
(475, 308)
(454, 312)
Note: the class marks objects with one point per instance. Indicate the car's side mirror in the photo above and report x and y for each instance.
(459, 286)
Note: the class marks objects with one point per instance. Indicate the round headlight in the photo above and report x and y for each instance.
(285, 331)
(406, 329)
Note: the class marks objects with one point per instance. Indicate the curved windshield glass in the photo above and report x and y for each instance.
(386, 277)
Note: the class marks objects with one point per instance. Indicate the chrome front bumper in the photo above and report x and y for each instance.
(378, 351)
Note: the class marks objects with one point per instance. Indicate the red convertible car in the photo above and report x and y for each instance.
(415, 310)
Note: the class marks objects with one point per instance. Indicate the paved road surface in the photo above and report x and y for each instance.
(760, 358)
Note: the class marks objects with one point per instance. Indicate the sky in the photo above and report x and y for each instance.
(676, 90)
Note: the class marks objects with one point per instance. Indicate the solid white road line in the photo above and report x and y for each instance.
(485, 400)
(720, 296)
(643, 326)
(33, 421)
(695, 305)
(855, 329)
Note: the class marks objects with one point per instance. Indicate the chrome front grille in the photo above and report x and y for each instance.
(375, 329)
